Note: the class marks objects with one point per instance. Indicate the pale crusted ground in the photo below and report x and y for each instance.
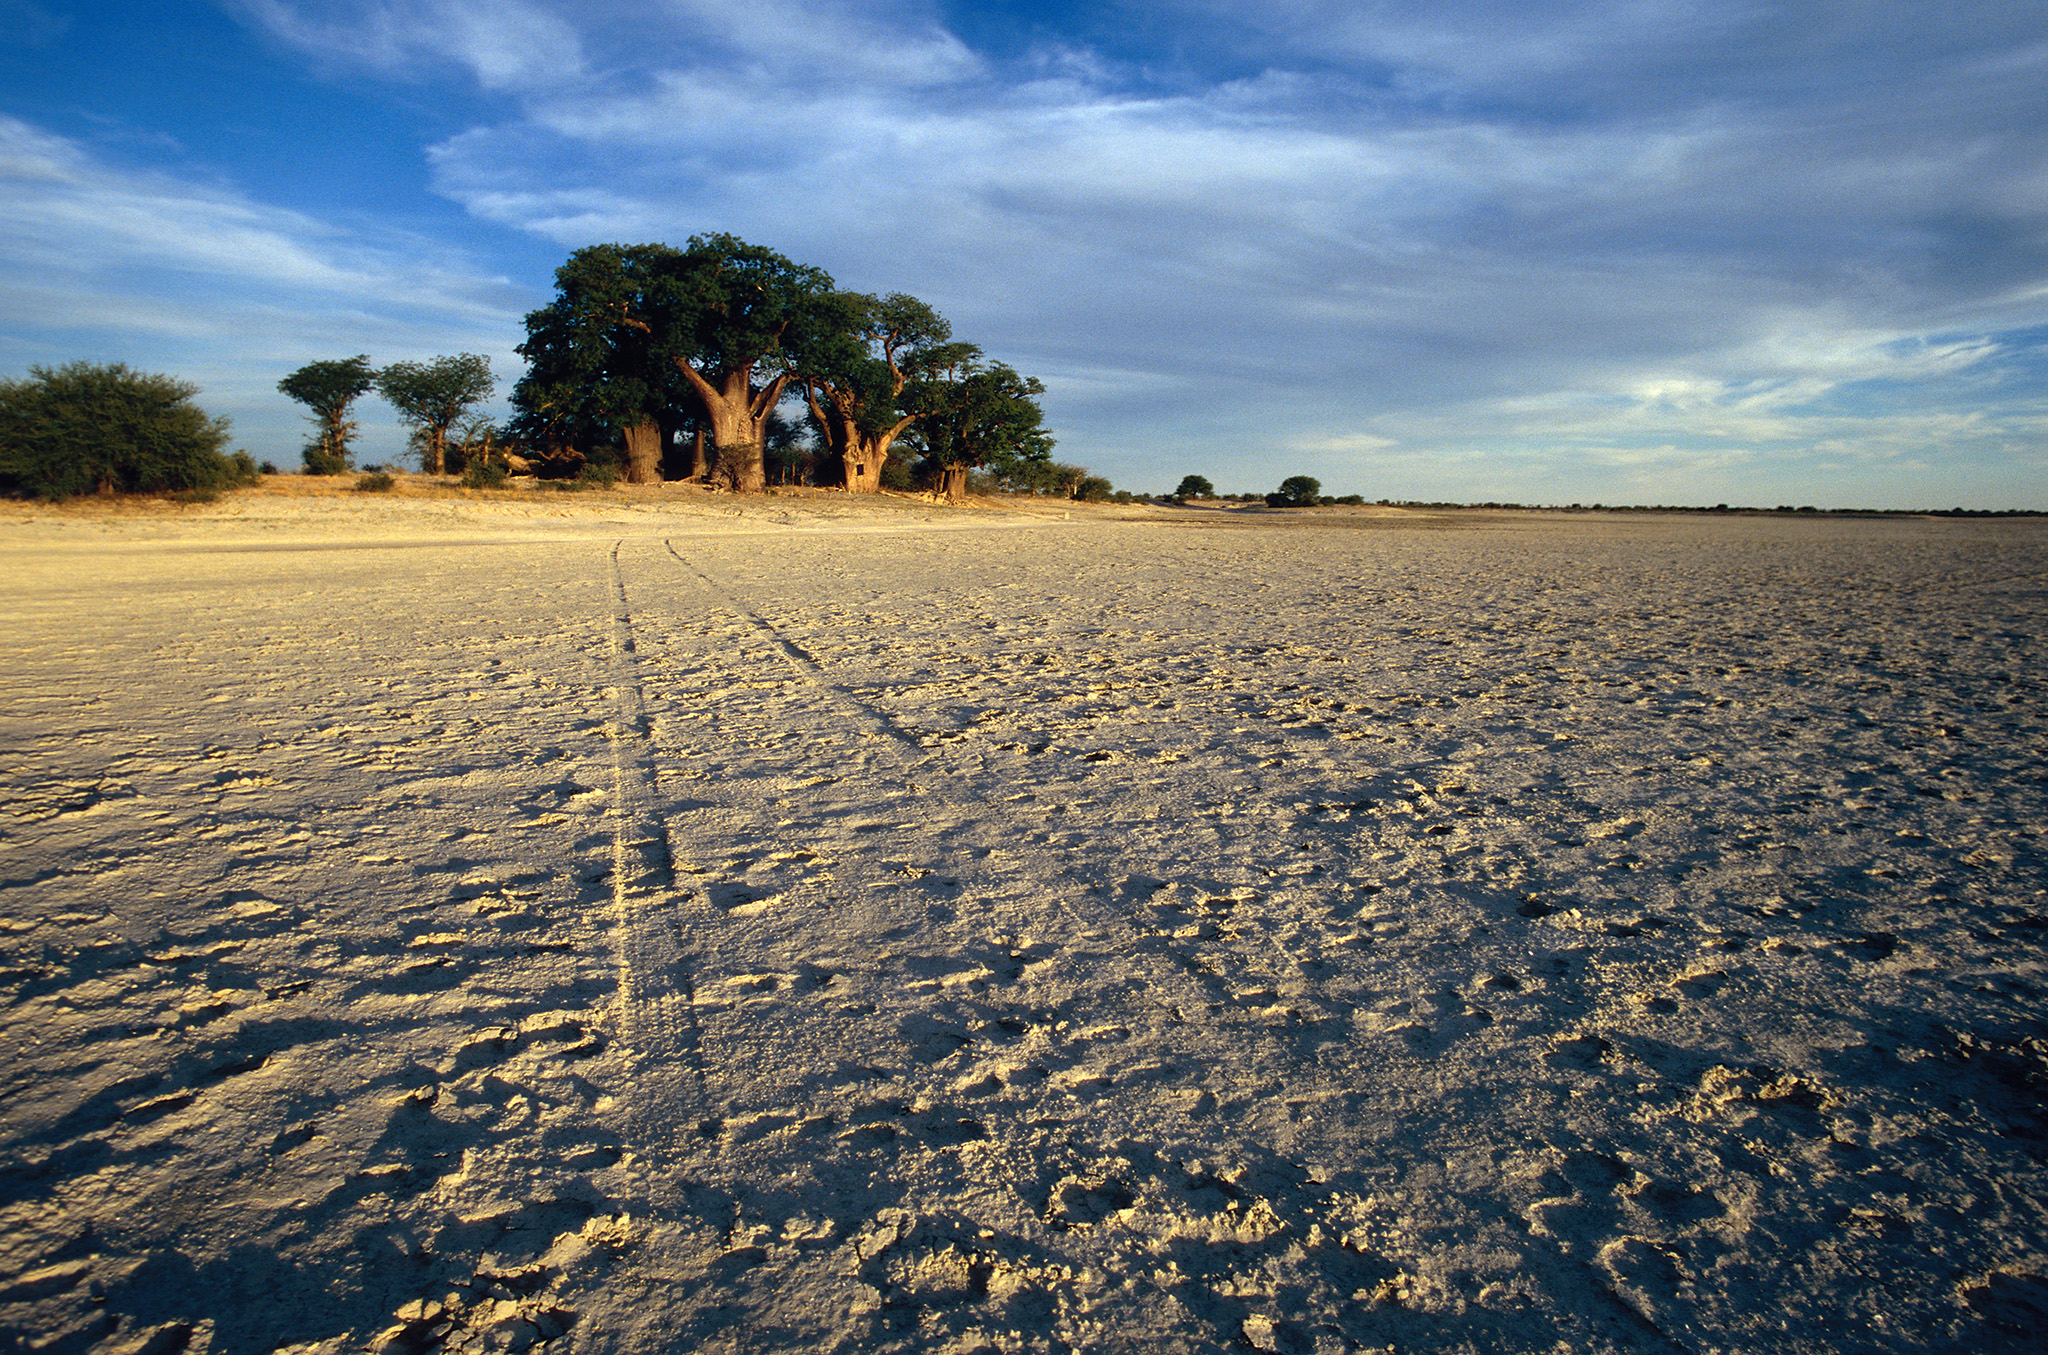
(654, 922)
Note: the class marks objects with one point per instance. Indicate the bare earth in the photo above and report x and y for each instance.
(660, 923)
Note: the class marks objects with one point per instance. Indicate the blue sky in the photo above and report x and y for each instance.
(1626, 251)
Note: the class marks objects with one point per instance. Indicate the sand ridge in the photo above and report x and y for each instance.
(828, 933)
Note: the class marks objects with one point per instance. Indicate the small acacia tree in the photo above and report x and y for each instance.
(85, 428)
(328, 388)
(432, 396)
(1297, 491)
(1194, 487)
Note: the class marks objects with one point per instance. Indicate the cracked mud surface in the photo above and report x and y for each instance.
(811, 933)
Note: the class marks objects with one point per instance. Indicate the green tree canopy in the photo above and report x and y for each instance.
(1194, 487)
(722, 317)
(431, 396)
(592, 377)
(1297, 491)
(979, 416)
(328, 388)
(85, 428)
(861, 355)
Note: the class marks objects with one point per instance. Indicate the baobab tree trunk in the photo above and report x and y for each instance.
(643, 453)
(741, 468)
(738, 415)
(953, 483)
(863, 470)
(700, 465)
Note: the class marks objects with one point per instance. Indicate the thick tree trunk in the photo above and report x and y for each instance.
(953, 483)
(437, 452)
(862, 470)
(643, 453)
(740, 468)
(738, 415)
(700, 465)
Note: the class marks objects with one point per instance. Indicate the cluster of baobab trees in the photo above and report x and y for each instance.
(652, 349)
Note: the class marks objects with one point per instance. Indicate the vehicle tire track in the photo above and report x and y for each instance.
(921, 773)
(657, 1021)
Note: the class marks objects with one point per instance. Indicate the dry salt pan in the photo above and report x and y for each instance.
(640, 925)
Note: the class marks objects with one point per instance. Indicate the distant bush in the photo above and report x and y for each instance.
(1195, 487)
(267, 468)
(484, 475)
(376, 482)
(1297, 491)
(320, 461)
(1353, 500)
(1092, 489)
(85, 428)
(597, 475)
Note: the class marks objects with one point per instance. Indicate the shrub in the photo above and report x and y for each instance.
(484, 475)
(85, 428)
(1092, 489)
(597, 475)
(267, 468)
(320, 461)
(376, 482)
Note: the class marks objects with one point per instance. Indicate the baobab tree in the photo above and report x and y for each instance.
(864, 352)
(638, 332)
(977, 414)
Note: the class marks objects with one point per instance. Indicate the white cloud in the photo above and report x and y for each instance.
(505, 44)
(113, 263)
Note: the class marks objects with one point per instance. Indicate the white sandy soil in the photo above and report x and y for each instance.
(649, 923)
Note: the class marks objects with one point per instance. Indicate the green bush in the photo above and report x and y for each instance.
(85, 428)
(1092, 489)
(597, 475)
(1297, 491)
(376, 482)
(484, 475)
(320, 461)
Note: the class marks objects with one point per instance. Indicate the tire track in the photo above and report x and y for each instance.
(1181, 990)
(1178, 980)
(657, 1021)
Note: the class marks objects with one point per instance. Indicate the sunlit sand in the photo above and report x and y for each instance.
(658, 921)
